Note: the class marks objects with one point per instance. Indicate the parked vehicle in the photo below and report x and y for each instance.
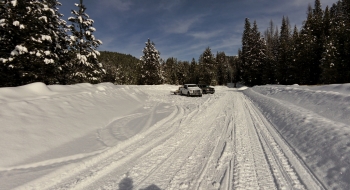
(191, 90)
(176, 92)
(206, 89)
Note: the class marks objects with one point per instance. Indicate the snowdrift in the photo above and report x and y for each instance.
(315, 121)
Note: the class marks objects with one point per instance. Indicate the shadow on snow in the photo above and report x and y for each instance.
(127, 184)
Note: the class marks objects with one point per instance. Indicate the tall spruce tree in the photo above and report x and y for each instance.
(307, 48)
(335, 60)
(84, 66)
(207, 68)
(235, 68)
(246, 52)
(272, 45)
(30, 41)
(294, 57)
(253, 55)
(183, 72)
(193, 71)
(60, 41)
(284, 60)
(150, 71)
(222, 68)
(170, 71)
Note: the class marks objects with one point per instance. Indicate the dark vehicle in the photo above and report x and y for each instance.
(206, 89)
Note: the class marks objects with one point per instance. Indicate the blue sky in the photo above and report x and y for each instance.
(184, 28)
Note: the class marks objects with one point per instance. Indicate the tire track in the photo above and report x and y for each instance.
(218, 142)
(289, 170)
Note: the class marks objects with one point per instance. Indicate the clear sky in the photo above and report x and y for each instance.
(184, 28)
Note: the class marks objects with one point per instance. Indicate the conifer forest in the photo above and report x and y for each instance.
(37, 45)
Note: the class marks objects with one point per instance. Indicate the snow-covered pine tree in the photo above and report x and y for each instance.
(331, 59)
(170, 68)
(307, 49)
(245, 57)
(207, 68)
(60, 42)
(150, 72)
(193, 78)
(84, 65)
(183, 71)
(28, 42)
(317, 26)
(258, 55)
(284, 63)
(253, 55)
(294, 57)
(235, 68)
(222, 68)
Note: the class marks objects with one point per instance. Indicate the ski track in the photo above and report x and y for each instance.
(192, 148)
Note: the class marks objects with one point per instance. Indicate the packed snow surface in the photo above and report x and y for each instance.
(107, 136)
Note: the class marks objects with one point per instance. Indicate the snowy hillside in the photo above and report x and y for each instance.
(109, 136)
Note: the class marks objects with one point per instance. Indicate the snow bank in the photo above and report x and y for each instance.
(30, 91)
(35, 119)
(315, 122)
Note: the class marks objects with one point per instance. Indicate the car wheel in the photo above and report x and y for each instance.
(188, 94)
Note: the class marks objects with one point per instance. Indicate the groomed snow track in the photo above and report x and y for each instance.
(194, 147)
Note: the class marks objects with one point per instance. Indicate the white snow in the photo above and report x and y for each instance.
(43, 18)
(106, 136)
(46, 37)
(315, 121)
(16, 23)
(48, 61)
(14, 3)
(19, 49)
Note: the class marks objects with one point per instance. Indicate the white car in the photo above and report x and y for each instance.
(191, 90)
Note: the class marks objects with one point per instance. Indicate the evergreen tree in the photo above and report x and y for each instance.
(84, 66)
(183, 72)
(335, 60)
(207, 68)
(60, 41)
(272, 46)
(284, 60)
(193, 72)
(222, 68)
(170, 71)
(246, 52)
(294, 57)
(234, 68)
(29, 41)
(258, 55)
(306, 58)
(150, 72)
(253, 55)
(317, 27)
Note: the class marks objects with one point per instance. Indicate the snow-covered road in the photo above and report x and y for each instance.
(142, 137)
(219, 141)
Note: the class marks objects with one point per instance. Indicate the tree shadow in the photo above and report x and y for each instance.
(127, 184)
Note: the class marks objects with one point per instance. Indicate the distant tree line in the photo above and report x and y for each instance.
(317, 54)
(211, 69)
(36, 45)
